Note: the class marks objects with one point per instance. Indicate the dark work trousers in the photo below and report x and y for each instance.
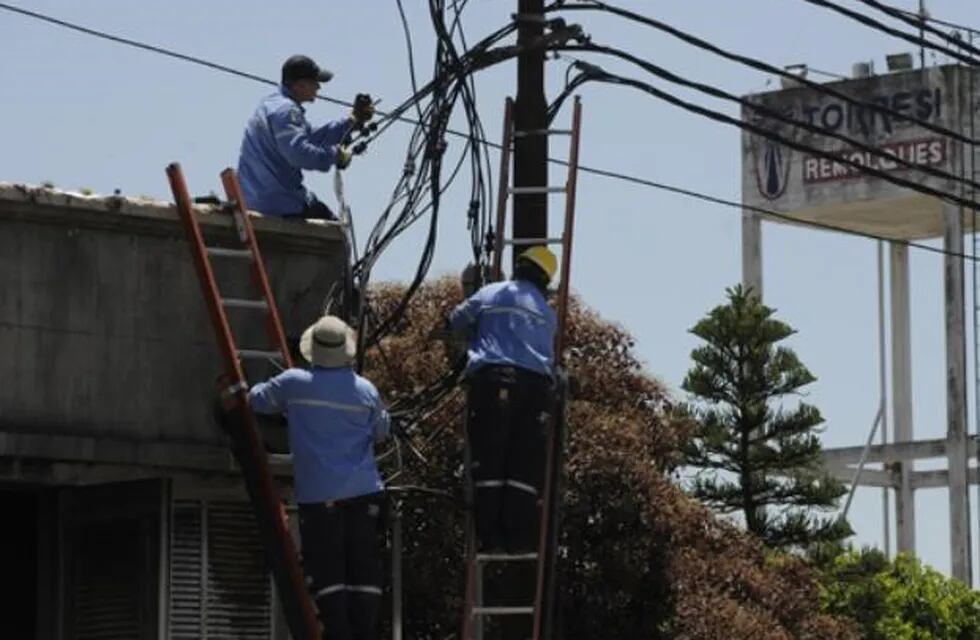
(317, 209)
(341, 546)
(508, 416)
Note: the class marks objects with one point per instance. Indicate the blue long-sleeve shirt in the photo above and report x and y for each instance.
(509, 323)
(278, 144)
(335, 416)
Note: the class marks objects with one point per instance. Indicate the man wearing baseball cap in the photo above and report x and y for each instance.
(279, 144)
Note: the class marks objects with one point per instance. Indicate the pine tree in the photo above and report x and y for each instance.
(751, 454)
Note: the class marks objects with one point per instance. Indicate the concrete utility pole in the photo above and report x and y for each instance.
(902, 393)
(956, 431)
(530, 114)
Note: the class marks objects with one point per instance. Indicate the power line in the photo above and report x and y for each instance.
(170, 53)
(778, 115)
(605, 76)
(683, 36)
(584, 168)
(946, 23)
(704, 197)
(880, 26)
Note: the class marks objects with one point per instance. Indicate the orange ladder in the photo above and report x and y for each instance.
(476, 610)
(250, 451)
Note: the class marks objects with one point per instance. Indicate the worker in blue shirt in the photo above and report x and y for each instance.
(510, 372)
(279, 144)
(335, 417)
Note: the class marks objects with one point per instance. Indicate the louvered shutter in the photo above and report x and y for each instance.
(111, 535)
(186, 586)
(219, 587)
(106, 581)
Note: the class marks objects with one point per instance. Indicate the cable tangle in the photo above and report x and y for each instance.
(418, 192)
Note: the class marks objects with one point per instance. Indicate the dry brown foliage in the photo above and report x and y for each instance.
(640, 559)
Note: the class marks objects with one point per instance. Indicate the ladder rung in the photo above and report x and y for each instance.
(523, 242)
(229, 253)
(258, 354)
(542, 132)
(524, 191)
(241, 303)
(503, 611)
(505, 557)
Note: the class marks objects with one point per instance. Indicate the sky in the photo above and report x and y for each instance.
(87, 113)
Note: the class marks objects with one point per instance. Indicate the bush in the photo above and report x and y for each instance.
(638, 558)
(899, 599)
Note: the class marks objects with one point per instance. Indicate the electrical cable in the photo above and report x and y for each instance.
(596, 171)
(772, 113)
(945, 23)
(605, 76)
(772, 213)
(880, 26)
(919, 23)
(683, 36)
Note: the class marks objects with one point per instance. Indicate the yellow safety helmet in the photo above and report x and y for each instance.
(543, 258)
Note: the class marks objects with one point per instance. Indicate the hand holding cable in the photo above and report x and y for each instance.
(363, 111)
(343, 157)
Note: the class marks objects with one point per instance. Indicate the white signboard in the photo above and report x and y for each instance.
(826, 187)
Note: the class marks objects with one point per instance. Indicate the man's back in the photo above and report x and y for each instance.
(334, 416)
(513, 326)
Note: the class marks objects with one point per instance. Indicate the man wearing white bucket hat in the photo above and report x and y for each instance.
(335, 416)
(510, 369)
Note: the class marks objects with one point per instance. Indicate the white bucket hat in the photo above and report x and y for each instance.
(328, 342)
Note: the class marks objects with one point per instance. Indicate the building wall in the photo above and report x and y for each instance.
(103, 325)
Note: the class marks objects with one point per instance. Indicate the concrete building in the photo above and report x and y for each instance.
(122, 508)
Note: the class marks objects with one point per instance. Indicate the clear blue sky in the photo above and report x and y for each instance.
(83, 112)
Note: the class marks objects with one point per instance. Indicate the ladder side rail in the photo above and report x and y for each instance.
(549, 594)
(503, 185)
(469, 533)
(566, 255)
(551, 466)
(543, 525)
(226, 343)
(301, 615)
(260, 277)
(209, 284)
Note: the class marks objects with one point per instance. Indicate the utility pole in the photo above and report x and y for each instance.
(530, 115)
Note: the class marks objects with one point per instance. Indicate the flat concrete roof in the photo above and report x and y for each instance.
(46, 204)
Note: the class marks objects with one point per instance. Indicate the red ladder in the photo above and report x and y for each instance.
(250, 450)
(540, 609)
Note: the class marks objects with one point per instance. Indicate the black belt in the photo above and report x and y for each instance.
(509, 375)
(329, 504)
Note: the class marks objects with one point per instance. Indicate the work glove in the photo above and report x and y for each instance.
(363, 109)
(343, 157)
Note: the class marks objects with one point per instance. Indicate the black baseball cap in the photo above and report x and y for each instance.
(303, 68)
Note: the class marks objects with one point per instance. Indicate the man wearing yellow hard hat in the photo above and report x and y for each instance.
(510, 370)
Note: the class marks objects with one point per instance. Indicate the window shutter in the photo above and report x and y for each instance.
(186, 586)
(219, 586)
(106, 588)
